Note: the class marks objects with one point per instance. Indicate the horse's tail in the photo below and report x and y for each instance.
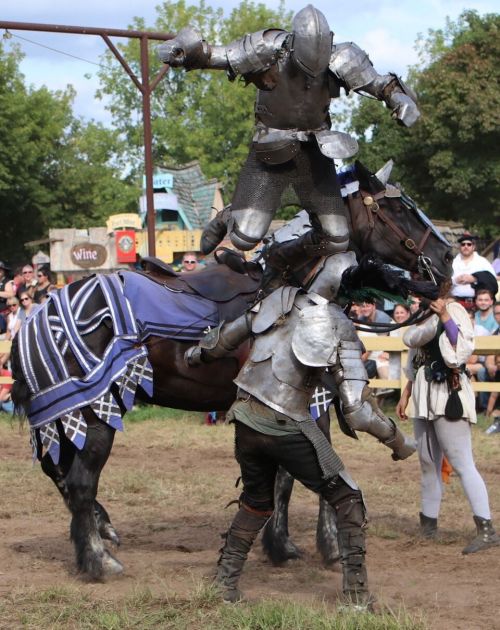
(20, 391)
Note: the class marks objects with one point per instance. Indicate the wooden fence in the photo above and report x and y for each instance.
(483, 345)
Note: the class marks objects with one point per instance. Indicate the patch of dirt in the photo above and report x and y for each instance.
(165, 487)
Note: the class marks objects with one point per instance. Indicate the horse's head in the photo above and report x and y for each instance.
(387, 223)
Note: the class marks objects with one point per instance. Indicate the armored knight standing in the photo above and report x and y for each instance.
(297, 335)
(296, 73)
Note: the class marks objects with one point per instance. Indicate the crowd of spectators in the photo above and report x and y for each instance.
(20, 296)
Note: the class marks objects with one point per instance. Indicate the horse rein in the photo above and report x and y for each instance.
(373, 210)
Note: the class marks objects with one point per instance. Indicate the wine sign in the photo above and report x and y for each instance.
(88, 255)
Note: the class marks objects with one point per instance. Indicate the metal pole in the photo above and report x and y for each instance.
(148, 153)
(145, 88)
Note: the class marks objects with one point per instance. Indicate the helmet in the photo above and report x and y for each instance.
(312, 41)
(327, 280)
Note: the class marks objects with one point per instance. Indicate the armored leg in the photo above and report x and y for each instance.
(214, 231)
(351, 522)
(243, 531)
(351, 380)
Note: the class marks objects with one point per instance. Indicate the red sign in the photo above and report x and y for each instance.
(125, 246)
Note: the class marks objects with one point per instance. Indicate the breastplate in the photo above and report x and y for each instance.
(297, 101)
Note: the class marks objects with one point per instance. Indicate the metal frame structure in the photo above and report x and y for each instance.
(143, 85)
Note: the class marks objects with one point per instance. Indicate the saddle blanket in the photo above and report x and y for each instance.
(163, 312)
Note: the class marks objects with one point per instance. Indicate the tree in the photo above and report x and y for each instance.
(54, 170)
(197, 115)
(449, 160)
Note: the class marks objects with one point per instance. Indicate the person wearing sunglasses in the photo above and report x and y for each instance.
(189, 262)
(29, 281)
(28, 307)
(471, 272)
(43, 286)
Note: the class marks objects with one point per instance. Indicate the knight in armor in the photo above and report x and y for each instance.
(296, 74)
(297, 335)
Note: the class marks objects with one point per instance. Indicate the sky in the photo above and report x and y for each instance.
(386, 29)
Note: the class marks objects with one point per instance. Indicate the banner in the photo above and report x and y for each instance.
(125, 246)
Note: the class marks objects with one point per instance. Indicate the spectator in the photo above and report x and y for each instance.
(491, 374)
(189, 262)
(28, 307)
(375, 363)
(443, 403)
(400, 315)
(6, 404)
(476, 363)
(29, 281)
(6, 288)
(12, 327)
(484, 311)
(17, 280)
(43, 286)
(415, 304)
(471, 272)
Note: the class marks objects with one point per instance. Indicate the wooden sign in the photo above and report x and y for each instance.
(88, 255)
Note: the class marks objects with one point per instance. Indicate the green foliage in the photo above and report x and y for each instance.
(449, 160)
(55, 171)
(196, 115)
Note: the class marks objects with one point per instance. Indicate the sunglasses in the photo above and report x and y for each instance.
(189, 262)
(11, 305)
(466, 244)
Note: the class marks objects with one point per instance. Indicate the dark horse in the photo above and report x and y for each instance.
(382, 222)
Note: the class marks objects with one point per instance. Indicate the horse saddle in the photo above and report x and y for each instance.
(230, 290)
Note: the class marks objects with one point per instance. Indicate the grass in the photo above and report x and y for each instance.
(159, 502)
(66, 608)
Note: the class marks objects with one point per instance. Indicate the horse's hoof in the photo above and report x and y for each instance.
(292, 552)
(111, 566)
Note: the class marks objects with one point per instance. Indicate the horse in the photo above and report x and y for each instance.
(82, 360)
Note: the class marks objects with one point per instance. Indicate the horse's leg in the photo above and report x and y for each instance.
(326, 530)
(275, 539)
(77, 478)
(58, 476)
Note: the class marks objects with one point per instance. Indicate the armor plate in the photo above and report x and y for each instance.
(315, 339)
(336, 144)
(274, 306)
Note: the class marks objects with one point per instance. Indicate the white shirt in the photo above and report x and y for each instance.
(430, 399)
(470, 265)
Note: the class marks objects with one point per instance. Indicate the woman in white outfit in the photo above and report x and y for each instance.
(439, 350)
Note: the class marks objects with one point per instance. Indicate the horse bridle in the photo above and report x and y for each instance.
(374, 211)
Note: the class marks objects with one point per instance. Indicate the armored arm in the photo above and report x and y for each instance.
(220, 341)
(250, 55)
(353, 68)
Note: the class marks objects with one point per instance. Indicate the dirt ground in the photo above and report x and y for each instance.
(166, 486)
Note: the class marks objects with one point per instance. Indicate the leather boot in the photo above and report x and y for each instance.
(485, 538)
(239, 539)
(428, 526)
(215, 231)
(351, 538)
